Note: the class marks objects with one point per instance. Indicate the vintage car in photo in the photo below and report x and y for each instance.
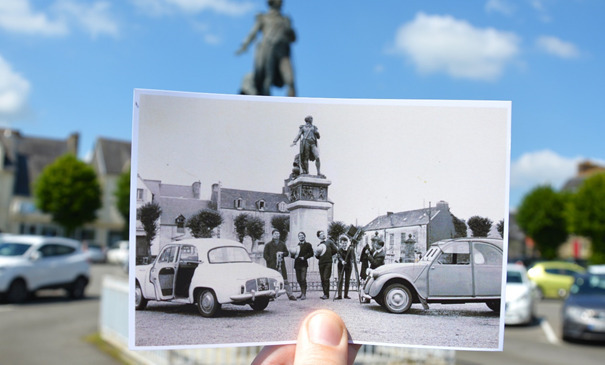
(461, 270)
(207, 272)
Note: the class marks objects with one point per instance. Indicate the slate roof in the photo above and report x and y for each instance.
(110, 156)
(28, 156)
(173, 207)
(403, 219)
(228, 197)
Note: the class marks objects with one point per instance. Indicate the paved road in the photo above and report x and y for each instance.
(463, 325)
(537, 344)
(50, 329)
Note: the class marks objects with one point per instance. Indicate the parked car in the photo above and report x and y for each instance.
(118, 254)
(520, 296)
(96, 253)
(584, 309)
(553, 278)
(207, 272)
(31, 263)
(445, 274)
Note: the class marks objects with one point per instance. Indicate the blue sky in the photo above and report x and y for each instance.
(71, 66)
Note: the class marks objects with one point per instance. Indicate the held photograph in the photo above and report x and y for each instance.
(250, 212)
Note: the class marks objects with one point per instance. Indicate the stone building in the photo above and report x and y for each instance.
(423, 226)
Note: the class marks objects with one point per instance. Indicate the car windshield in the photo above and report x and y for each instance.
(513, 277)
(590, 284)
(223, 255)
(13, 249)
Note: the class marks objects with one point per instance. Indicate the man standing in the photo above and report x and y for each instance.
(308, 135)
(345, 264)
(301, 253)
(377, 254)
(274, 253)
(324, 252)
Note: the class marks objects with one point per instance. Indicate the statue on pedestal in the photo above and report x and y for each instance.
(308, 134)
(272, 64)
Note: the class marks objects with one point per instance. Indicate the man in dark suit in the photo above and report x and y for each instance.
(274, 254)
(324, 252)
(301, 253)
(345, 265)
(377, 254)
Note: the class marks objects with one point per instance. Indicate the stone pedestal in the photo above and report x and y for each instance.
(309, 207)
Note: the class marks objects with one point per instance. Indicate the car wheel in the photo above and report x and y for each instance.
(207, 304)
(397, 298)
(76, 289)
(260, 304)
(140, 302)
(494, 305)
(17, 292)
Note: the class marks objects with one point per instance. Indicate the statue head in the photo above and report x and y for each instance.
(309, 119)
(275, 4)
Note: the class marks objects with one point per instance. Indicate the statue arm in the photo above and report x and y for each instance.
(252, 35)
(300, 132)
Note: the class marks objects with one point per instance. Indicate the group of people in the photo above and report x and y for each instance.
(275, 252)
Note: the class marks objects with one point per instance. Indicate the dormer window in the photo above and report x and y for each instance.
(238, 203)
(180, 224)
(260, 205)
(281, 206)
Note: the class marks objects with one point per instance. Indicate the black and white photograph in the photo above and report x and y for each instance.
(254, 211)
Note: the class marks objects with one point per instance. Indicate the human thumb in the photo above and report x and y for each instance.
(322, 339)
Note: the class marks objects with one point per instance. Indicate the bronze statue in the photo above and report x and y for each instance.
(308, 134)
(272, 65)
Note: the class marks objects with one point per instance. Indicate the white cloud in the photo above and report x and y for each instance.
(557, 47)
(435, 44)
(499, 6)
(94, 18)
(14, 90)
(162, 7)
(542, 168)
(18, 16)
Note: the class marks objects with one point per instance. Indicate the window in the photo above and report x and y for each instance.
(168, 254)
(239, 203)
(456, 253)
(486, 255)
(222, 255)
(281, 207)
(260, 205)
(188, 254)
(180, 224)
(51, 250)
(140, 194)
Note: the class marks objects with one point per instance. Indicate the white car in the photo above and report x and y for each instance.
(520, 296)
(119, 254)
(207, 272)
(30, 263)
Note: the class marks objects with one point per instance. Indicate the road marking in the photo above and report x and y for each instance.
(548, 331)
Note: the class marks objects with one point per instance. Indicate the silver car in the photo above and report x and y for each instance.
(461, 270)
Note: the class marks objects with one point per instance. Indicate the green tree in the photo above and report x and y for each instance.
(500, 228)
(459, 226)
(69, 191)
(586, 215)
(282, 224)
(149, 214)
(255, 228)
(541, 216)
(240, 223)
(203, 222)
(335, 229)
(480, 226)
(122, 194)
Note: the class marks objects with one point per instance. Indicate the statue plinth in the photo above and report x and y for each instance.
(309, 207)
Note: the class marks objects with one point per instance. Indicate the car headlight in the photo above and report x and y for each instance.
(579, 313)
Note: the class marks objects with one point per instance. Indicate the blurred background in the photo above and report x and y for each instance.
(67, 73)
